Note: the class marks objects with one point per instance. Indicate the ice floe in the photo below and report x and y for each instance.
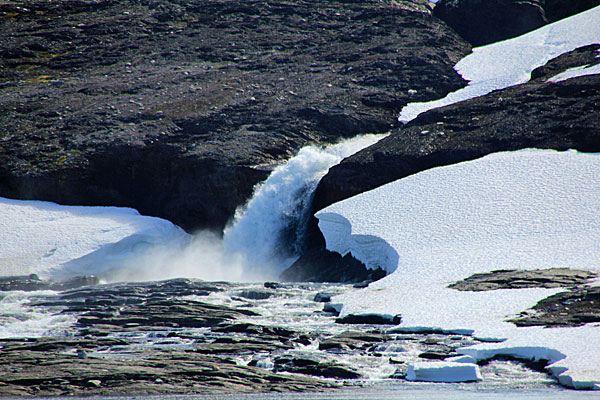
(443, 372)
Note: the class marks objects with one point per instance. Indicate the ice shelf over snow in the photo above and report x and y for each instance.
(530, 209)
(58, 242)
(510, 62)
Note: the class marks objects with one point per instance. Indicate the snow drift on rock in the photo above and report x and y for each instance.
(58, 241)
(510, 62)
(522, 210)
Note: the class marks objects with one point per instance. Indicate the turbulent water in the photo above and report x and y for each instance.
(290, 306)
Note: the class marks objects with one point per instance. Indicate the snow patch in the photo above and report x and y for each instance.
(59, 242)
(530, 209)
(576, 72)
(510, 62)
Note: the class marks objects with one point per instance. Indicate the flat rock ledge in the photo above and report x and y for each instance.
(519, 279)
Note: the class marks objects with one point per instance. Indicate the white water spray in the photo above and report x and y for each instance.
(264, 237)
(267, 232)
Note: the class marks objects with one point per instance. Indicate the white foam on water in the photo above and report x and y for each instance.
(18, 319)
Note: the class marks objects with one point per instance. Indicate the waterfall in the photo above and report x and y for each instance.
(264, 238)
(266, 234)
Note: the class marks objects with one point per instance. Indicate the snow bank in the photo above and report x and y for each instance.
(443, 372)
(510, 62)
(575, 72)
(518, 210)
(58, 242)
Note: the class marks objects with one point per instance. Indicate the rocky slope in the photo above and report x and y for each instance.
(178, 108)
(540, 114)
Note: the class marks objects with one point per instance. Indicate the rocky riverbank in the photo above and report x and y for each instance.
(186, 336)
(538, 114)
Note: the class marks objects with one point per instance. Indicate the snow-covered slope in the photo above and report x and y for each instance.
(58, 241)
(522, 210)
(510, 62)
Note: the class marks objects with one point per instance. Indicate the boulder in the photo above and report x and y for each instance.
(179, 108)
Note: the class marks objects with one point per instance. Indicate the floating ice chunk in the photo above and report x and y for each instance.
(443, 372)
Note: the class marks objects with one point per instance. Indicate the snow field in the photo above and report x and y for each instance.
(531, 209)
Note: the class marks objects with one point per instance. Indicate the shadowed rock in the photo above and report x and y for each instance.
(179, 108)
(483, 22)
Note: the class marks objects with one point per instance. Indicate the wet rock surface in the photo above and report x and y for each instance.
(33, 282)
(186, 336)
(179, 108)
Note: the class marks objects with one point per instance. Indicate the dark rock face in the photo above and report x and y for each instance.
(316, 265)
(517, 279)
(559, 9)
(179, 108)
(482, 22)
(537, 114)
